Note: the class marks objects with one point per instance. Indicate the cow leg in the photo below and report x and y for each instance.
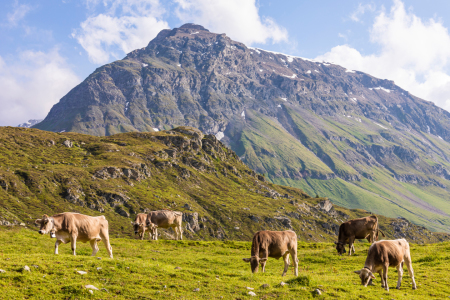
(105, 238)
(382, 279)
(410, 270)
(385, 272)
(180, 229)
(350, 245)
(94, 247)
(400, 274)
(263, 266)
(73, 243)
(176, 232)
(56, 245)
(286, 263)
(295, 260)
(156, 234)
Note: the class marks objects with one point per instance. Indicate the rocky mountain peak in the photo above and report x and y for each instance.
(332, 131)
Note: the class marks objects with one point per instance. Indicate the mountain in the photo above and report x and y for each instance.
(30, 123)
(181, 169)
(363, 142)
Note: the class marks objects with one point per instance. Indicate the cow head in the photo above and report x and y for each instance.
(255, 261)
(139, 228)
(46, 224)
(366, 275)
(340, 247)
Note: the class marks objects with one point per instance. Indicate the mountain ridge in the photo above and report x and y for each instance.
(362, 141)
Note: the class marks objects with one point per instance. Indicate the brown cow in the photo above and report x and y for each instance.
(274, 244)
(140, 224)
(384, 254)
(166, 219)
(361, 228)
(75, 227)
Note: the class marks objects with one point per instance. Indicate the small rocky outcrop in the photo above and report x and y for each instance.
(108, 172)
(191, 220)
(68, 143)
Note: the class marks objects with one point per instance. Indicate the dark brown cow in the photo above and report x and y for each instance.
(73, 227)
(361, 228)
(274, 244)
(140, 224)
(166, 219)
(384, 254)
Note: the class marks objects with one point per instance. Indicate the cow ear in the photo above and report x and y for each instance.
(263, 260)
(371, 275)
(357, 272)
(38, 221)
(246, 259)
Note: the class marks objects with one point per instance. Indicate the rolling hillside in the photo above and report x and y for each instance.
(124, 174)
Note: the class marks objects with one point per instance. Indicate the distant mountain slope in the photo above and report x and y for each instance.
(30, 123)
(362, 141)
(181, 169)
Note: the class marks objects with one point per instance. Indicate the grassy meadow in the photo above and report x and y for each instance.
(167, 269)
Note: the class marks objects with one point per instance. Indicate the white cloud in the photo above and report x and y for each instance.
(30, 85)
(19, 12)
(414, 53)
(239, 19)
(125, 25)
(360, 11)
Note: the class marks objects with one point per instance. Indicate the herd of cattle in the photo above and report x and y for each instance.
(73, 227)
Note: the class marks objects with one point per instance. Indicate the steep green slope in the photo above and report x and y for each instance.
(121, 175)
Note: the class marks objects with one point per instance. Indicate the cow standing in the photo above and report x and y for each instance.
(361, 228)
(73, 227)
(274, 244)
(386, 254)
(140, 224)
(166, 219)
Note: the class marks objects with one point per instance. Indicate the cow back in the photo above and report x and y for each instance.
(86, 227)
(274, 244)
(165, 218)
(359, 228)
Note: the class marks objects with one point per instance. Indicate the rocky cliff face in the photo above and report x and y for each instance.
(362, 141)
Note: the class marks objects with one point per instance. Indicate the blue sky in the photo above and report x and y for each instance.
(48, 47)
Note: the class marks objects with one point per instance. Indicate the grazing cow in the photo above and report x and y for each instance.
(166, 219)
(357, 229)
(75, 227)
(274, 244)
(140, 224)
(384, 254)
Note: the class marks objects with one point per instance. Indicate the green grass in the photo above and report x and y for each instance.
(146, 270)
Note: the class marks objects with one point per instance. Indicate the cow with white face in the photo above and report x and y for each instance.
(140, 224)
(73, 227)
(385, 254)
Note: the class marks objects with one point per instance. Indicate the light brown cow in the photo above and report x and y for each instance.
(140, 224)
(75, 227)
(166, 219)
(384, 254)
(274, 244)
(361, 228)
